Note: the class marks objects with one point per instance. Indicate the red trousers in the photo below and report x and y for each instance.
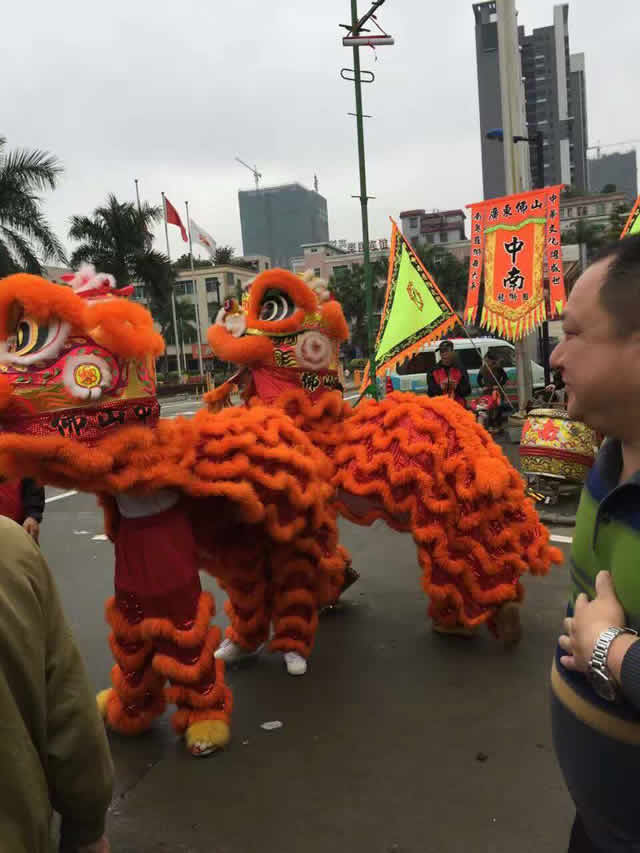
(161, 628)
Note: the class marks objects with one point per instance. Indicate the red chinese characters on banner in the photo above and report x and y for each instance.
(517, 234)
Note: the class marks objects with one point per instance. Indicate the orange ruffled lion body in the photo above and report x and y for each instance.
(422, 465)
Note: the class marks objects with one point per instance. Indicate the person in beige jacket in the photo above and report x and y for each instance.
(53, 750)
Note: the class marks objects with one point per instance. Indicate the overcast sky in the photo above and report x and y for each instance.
(171, 92)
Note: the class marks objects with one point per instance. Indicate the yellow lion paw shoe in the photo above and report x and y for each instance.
(102, 699)
(206, 737)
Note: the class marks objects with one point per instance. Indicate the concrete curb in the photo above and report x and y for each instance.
(556, 518)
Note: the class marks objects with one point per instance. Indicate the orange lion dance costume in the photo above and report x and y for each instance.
(78, 409)
(423, 465)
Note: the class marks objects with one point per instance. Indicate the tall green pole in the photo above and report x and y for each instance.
(368, 280)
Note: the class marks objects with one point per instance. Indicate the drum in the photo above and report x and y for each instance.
(552, 445)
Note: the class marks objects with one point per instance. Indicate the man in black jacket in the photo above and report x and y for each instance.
(448, 378)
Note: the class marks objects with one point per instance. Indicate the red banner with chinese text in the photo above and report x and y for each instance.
(514, 236)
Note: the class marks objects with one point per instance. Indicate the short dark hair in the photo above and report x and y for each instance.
(620, 292)
(446, 346)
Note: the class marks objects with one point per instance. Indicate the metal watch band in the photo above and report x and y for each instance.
(601, 649)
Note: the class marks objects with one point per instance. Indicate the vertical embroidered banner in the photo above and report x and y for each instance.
(475, 264)
(557, 294)
(518, 233)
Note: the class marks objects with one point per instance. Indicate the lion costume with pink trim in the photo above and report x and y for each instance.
(78, 410)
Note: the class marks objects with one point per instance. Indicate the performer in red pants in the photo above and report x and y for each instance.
(161, 627)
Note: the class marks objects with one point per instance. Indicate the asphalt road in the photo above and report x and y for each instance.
(396, 741)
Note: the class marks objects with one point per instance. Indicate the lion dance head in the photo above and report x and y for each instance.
(287, 327)
(76, 360)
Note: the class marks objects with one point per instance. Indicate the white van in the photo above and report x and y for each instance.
(412, 374)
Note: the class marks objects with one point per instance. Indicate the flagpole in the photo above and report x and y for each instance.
(173, 293)
(138, 195)
(195, 292)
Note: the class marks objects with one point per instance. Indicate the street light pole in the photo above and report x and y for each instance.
(368, 279)
(517, 178)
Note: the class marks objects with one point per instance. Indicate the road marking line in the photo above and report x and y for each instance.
(177, 404)
(566, 540)
(101, 537)
(60, 497)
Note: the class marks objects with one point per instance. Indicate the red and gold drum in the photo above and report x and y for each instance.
(553, 445)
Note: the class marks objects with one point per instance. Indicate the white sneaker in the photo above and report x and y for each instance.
(231, 652)
(295, 663)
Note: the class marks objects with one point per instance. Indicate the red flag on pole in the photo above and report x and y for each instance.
(174, 219)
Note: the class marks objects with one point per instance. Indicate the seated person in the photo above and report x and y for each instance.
(555, 389)
(492, 376)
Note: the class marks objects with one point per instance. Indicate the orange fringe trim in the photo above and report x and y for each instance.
(255, 459)
(124, 327)
(150, 682)
(190, 673)
(121, 720)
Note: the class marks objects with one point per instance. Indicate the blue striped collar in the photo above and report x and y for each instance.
(615, 499)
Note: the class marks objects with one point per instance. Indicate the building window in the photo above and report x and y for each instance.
(413, 222)
(340, 272)
(138, 291)
(600, 209)
(212, 284)
(316, 272)
(184, 288)
(313, 251)
(444, 237)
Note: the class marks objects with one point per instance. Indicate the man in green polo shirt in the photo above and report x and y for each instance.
(596, 672)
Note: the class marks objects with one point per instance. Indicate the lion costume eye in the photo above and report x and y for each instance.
(32, 341)
(276, 305)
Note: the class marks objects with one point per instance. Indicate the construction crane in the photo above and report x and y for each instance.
(597, 147)
(254, 170)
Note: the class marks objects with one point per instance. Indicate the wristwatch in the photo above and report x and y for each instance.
(599, 675)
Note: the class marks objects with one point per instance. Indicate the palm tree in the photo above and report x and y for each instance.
(587, 236)
(117, 239)
(24, 231)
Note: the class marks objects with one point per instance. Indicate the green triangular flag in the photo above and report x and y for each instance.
(415, 310)
(633, 222)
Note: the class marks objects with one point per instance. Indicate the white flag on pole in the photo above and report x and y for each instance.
(202, 237)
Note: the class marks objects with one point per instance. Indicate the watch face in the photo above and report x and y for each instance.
(603, 685)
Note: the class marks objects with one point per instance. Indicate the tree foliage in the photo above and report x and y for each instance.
(224, 255)
(450, 274)
(117, 239)
(584, 233)
(349, 289)
(26, 237)
(184, 263)
(617, 221)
